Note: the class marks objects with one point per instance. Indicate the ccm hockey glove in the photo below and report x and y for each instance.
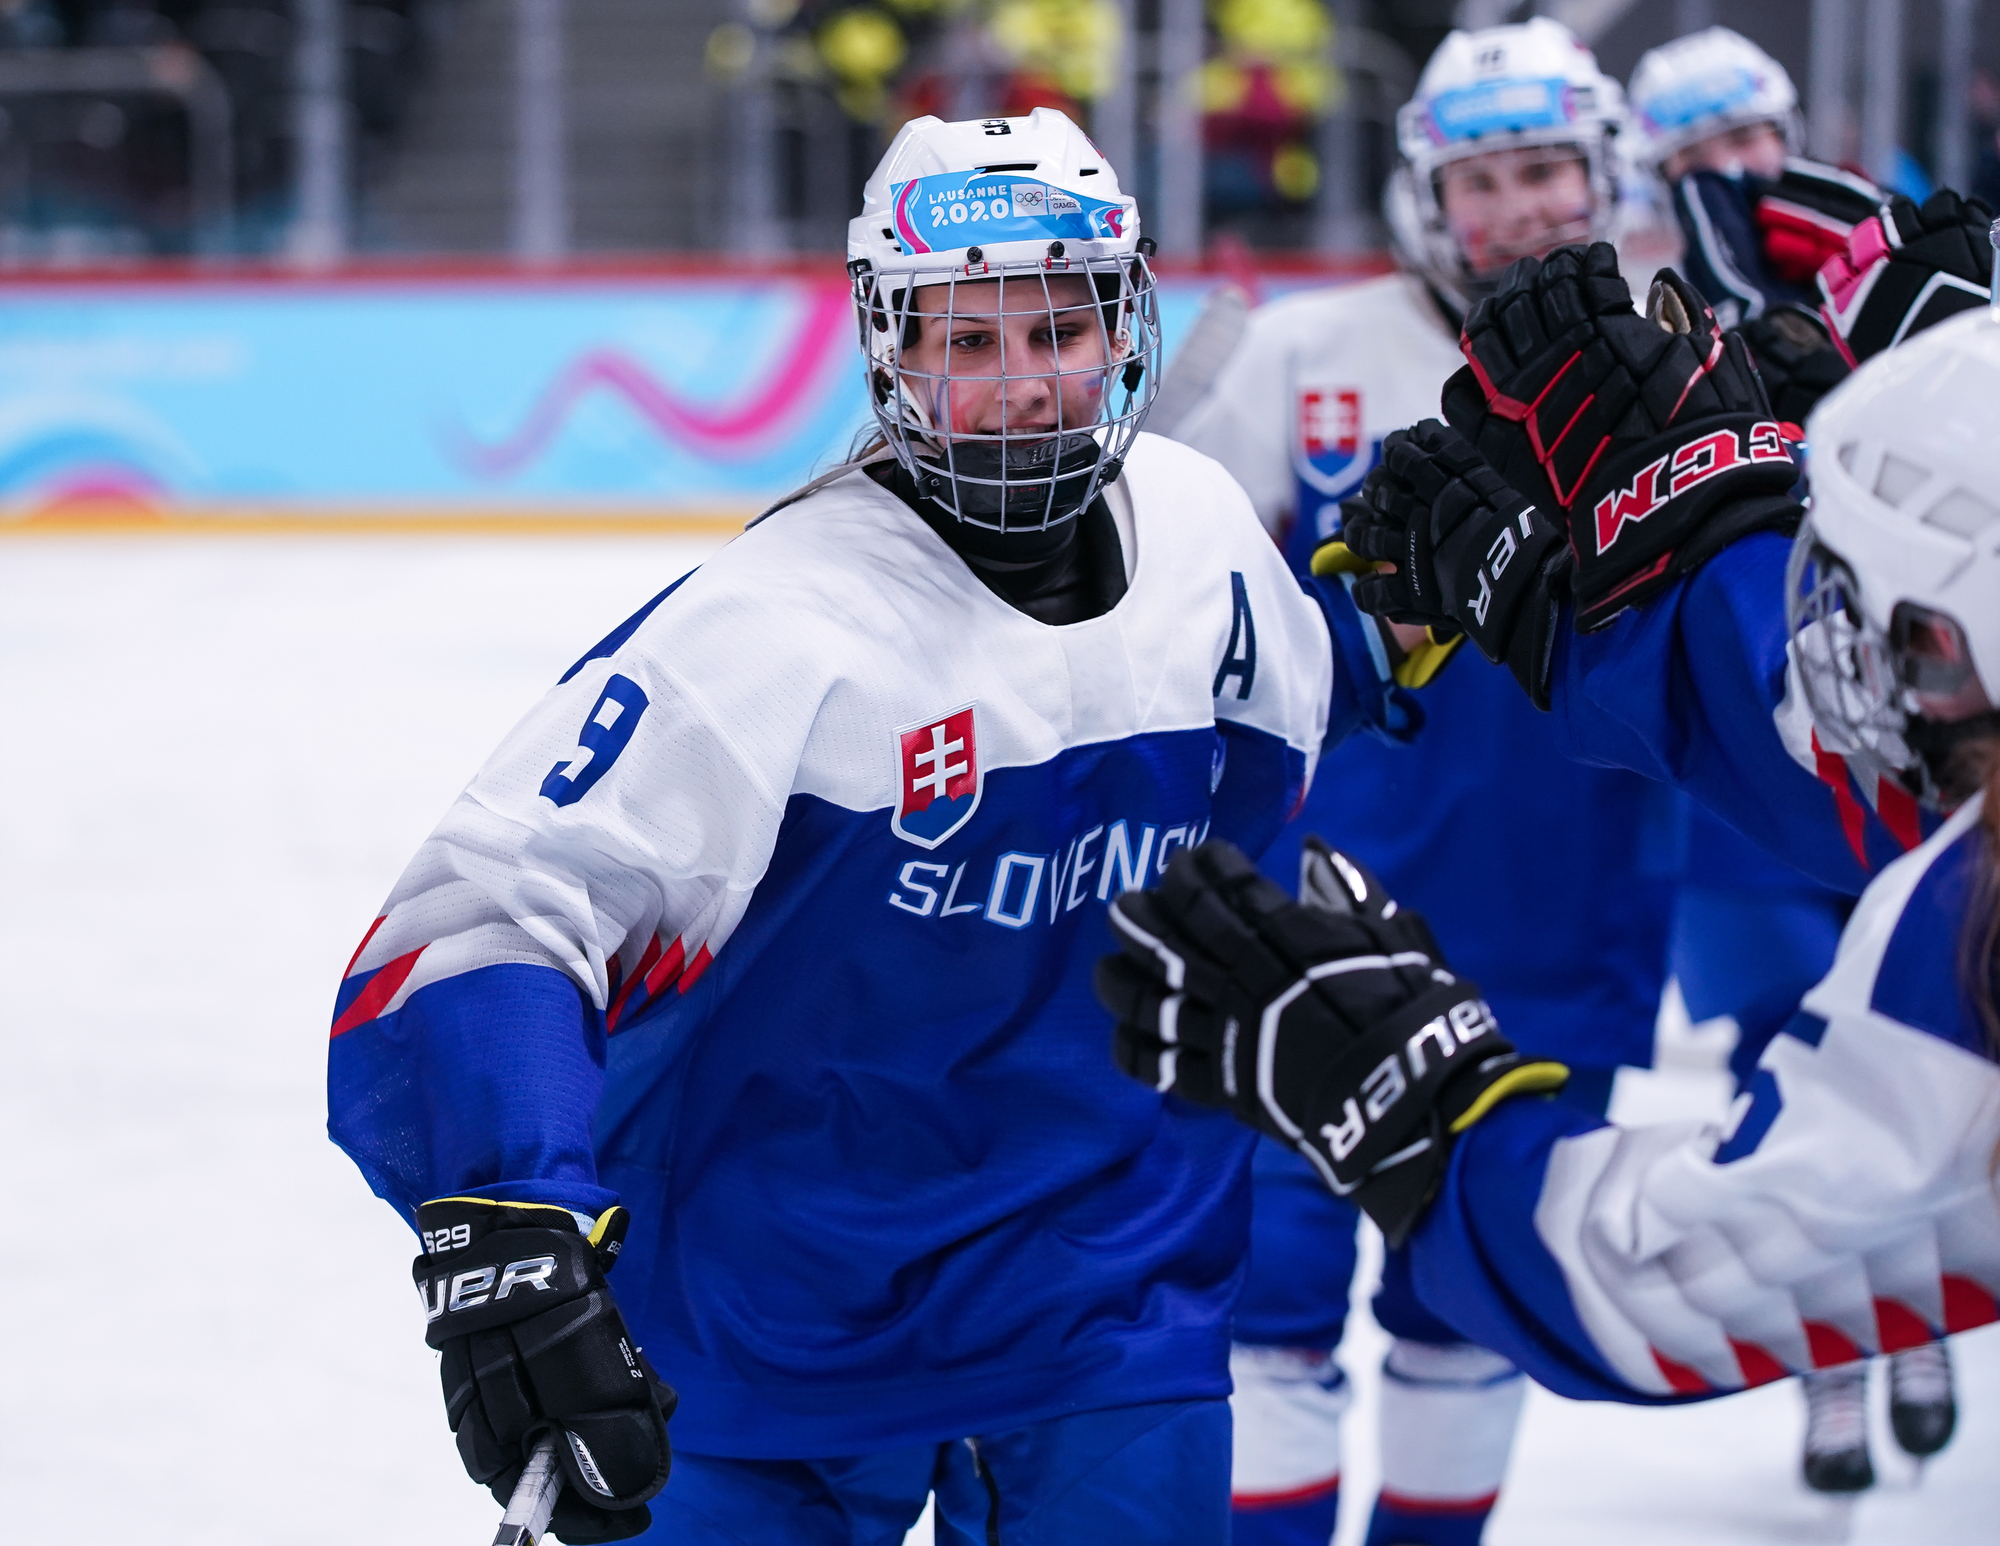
(1469, 551)
(1648, 437)
(1906, 269)
(532, 1340)
(1333, 1025)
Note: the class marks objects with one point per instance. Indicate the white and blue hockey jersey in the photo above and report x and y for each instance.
(1850, 1205)
(775, 920)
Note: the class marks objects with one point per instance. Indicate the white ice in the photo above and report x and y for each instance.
(218, 754)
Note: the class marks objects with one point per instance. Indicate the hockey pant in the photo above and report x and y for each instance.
(1449, 1409)
(1156, 1473)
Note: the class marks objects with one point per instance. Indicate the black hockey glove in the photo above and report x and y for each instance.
(533, 1341)
(1649, 437)
(1334, 1027)
(1795, 358)
(1907, 269)
(1470, 552)
(1807, 215)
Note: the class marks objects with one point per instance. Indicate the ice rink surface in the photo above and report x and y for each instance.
(221, 751)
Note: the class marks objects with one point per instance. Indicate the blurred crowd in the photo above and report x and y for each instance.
(103, 158)
(97, 149)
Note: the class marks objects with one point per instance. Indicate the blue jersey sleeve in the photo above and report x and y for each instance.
(1365, 694)
(1688, 689)
(1480, 1265)
(483, 1084)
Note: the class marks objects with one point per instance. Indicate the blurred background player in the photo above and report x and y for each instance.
(1507, 152)
(1718, 120)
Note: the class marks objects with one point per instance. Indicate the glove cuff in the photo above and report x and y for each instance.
(1635, 537)
(491, 1263)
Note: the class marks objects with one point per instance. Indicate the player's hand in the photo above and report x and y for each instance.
(532, 1341)
(1796, 360)
(1335, 1027)
(1649, 437)
(1905, 270)
(1469, 551)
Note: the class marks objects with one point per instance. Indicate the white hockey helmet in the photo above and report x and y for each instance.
(1024, 201)
(1499, 88)
(1705, 83)
(1894, 591)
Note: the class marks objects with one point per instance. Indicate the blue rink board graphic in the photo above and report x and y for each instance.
(696, 395)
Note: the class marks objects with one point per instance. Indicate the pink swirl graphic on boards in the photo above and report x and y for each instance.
(715, 429)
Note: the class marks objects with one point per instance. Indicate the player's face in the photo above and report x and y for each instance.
(1016, 357)
(1509, 204)
(1756, 148)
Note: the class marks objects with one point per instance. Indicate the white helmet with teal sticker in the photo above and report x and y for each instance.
(1522, 87)
(1705, 83)
(1007, 315)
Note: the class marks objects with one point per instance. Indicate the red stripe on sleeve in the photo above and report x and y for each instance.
(362, 946)
(1966, 1305)
(668, 969)
(617, 1010)
(1898, 809)
(1897, 1326)
(1831, 1347)
(374, 998)
(1853, 820)
(1757, 1364)
(695, 968)
(1684, 1380)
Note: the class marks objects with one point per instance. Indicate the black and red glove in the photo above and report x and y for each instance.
(1807, 215)
(1907, 269)
(1648, 437)
(532, 1344)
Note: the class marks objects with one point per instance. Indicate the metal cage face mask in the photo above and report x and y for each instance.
(1011, 392)
(1848, 668)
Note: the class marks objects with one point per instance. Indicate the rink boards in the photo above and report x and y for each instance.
(440, 401)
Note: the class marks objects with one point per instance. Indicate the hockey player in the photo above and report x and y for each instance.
(1507, 151)
(757, 958)
(1719, 122)
(1849, 1206)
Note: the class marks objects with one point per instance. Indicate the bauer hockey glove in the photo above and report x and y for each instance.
(1469, 551)
(532, 1341)
(1649, 437)
(1905, 270)
(1333, 1025)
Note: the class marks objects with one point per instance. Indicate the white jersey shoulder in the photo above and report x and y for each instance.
(1849, 1209)
(1317, 381)
(643, 796)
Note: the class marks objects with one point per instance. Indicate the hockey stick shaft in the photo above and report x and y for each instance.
(534, 1499)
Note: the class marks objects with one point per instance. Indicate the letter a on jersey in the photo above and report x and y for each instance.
(938, 763)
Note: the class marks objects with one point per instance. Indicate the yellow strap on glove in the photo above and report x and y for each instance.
(1417, 666)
